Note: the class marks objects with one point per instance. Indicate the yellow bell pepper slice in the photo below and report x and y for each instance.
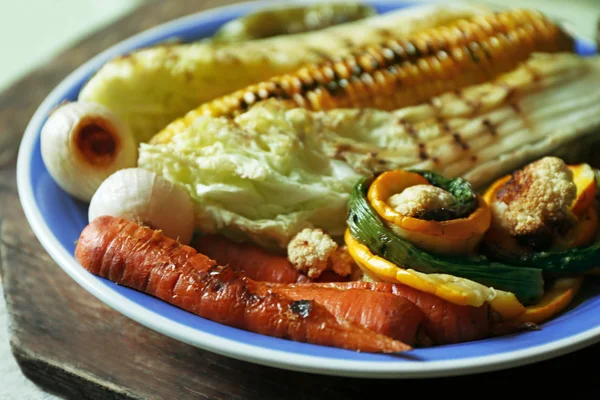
(585, 180)
(457, 236)
(555, 300)
(456, 290)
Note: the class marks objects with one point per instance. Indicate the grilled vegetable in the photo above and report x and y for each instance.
(145, 260)
(574, 248)
(141, 196)
(234, 169)
(445, 322)
(237, 171)
(367, 228)
(462, 191)
(255, 262)
(150, 87)
(289, 20)
(82, 144)
(557, 297)
(542, 107)
(405, 72)
(584, 178)
(464, 221)
(459, 291)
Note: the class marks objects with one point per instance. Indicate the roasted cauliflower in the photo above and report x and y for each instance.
(312, 251)
(536, 200)
(416, 200)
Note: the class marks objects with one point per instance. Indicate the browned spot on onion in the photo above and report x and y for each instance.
(97, 141)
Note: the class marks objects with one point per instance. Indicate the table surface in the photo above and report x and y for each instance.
(16, 109)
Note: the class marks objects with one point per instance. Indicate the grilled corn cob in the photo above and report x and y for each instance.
(230, 165)
(149, 88)
(399, 73)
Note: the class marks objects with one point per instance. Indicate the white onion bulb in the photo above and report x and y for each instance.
(84, 143)
(147, 198)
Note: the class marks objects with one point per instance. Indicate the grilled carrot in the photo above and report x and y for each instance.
(147, 261)
(445, 323)
(257, 263)
(385, 313)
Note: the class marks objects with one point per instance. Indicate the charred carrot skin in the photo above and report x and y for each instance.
(385, 313)
(403, 72)
(256, 263)
(444, 322)
(147, 261)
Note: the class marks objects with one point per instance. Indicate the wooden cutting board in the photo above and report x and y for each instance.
(68, 342)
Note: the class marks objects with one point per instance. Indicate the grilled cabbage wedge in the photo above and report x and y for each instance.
(402, 72)
(233, 168)
(255, 179)
(151, 87)
(482, 132)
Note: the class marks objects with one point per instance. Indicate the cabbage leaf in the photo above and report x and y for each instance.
(263, 176)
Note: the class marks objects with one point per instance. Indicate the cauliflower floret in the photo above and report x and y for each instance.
(536, 199)
(312, 251)
(416, 200)
(341, 261)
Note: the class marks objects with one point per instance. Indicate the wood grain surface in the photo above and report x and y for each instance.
(73, 345)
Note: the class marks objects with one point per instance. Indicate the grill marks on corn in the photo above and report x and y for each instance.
(405, 72)
(513, 95)
(427, 140)
(475, 104)
(444, 129)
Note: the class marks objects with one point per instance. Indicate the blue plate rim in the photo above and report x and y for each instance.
(214, 343)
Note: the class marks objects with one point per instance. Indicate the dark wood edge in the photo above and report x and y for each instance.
(61, 382)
